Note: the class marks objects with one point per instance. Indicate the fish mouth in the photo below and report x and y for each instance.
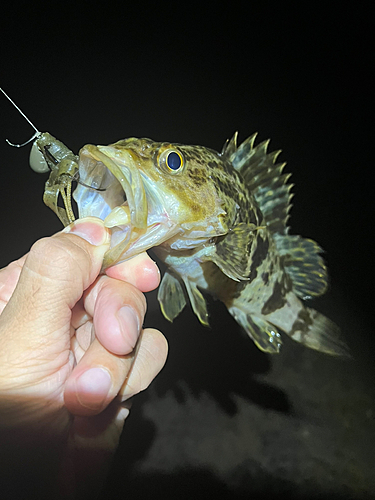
(124, 198)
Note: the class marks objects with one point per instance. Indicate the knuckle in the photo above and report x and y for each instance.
(53, 254)
(129, 292)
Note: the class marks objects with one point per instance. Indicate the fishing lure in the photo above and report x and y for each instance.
(48, 154)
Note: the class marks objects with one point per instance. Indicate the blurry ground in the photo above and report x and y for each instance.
(224, 419)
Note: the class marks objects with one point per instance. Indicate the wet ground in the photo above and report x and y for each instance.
(224, 419)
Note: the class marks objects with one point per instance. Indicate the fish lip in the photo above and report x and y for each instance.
(117, 174)
(123, 166)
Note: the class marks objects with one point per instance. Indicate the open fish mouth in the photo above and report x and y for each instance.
(124, 198)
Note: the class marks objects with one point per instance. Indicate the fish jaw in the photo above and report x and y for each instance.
(122, 166)
(137, 221)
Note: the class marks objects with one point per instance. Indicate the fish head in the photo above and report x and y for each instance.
(151, 194)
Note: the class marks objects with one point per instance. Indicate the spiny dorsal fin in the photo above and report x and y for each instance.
(230, 146)
(265, 180)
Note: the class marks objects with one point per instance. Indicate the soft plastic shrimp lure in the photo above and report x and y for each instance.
(49, 154)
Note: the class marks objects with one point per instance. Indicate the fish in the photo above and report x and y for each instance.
(219, 223)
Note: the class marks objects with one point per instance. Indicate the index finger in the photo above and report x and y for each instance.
(9, 276)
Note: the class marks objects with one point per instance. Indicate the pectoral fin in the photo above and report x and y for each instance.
(171, 296)
(232, 253)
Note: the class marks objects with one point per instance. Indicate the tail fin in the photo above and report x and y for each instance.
(316, 331)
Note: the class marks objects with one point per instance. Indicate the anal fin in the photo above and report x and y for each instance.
(198, 302)
(264, 334)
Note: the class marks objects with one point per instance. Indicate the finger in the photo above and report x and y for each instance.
(140, 271)
(118, 316)
(148, 362)
(100, 375)
(8, 280)
(118, 309)
(56, 272)
(82, 340)
(93, 441)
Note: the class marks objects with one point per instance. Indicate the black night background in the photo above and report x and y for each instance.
(222, 418)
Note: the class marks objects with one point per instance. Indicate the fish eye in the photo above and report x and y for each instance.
(171, 160)
(174, 160)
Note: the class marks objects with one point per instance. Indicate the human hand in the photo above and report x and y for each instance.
(65, 351)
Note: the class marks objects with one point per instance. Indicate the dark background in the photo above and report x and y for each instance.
(96, 73)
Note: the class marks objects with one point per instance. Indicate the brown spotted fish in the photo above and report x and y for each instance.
(217, 220)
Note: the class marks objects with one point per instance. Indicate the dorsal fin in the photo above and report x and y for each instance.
(265, 180)
(303, 263)
(230, 146)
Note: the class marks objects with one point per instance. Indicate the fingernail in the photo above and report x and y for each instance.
(129, 325)
(93, 387)
(90, 229)
(122, 414)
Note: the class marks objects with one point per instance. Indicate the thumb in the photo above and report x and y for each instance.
(56, 272)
